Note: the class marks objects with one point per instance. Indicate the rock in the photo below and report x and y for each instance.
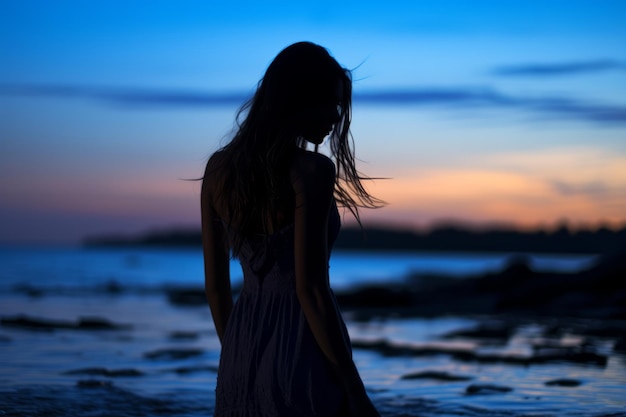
(32, 323)
(564, 382)
(173, 354)
(185, 370)
(98, 323)
(565, 354)
(180, 335)
(484, 389)
(570, 354)
(375, 296)
(29, 290)
(516, 270)
(385, 348)
(93, 383)
(86, 323)
(112, 287)
(485, 331)
(603, 329)
(437, 375)
(105, 372)
(620, 345)
(187, 296)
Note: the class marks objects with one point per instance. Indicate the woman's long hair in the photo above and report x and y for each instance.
(255, 163)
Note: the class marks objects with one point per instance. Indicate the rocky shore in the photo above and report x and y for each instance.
(597, 292)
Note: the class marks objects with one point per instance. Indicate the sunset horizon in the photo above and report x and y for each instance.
(472, 113)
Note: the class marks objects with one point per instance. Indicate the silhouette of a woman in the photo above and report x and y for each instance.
(272, 203)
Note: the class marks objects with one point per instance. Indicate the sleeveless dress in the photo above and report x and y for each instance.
(270, 363)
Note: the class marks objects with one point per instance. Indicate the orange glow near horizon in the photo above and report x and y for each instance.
(583, 186)
(523, 191)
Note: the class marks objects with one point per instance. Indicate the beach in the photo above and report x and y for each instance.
(99, 337)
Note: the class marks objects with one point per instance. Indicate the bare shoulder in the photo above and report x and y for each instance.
(211, 178)
(213, 164)
(310, 167)
(213, 169)
(313, 182)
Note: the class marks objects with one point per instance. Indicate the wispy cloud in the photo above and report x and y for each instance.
(594, 189)
(432, 96)
(468, 98)
(560, 69)
(461, 98)
(130, 96)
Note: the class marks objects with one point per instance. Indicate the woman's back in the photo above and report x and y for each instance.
(270, 360)
(218, 171)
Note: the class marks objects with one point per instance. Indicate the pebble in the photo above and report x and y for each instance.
(564, 382)
(479, 389)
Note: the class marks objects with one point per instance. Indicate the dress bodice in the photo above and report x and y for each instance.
(269, 259)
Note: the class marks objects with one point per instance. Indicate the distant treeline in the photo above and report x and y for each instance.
(440, 239)
(460, 239)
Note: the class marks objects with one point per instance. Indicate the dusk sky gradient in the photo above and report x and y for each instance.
(477, 111)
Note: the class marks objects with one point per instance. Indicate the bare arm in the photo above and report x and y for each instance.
(313, 182)
(216, 262)
(313, 179)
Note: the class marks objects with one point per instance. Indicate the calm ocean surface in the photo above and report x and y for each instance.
(80, 267)
(163, 361)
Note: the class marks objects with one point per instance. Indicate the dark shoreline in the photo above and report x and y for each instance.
(440, 239)
(515, 291)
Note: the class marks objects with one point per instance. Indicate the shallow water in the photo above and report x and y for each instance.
(46, 372)
(35, 365)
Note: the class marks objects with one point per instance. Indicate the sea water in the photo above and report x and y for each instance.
(73, 267)
(117, 373)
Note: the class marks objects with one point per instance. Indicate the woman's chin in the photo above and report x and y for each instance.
(316, 140)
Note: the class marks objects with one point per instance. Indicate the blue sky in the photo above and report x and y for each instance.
(478, 111)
